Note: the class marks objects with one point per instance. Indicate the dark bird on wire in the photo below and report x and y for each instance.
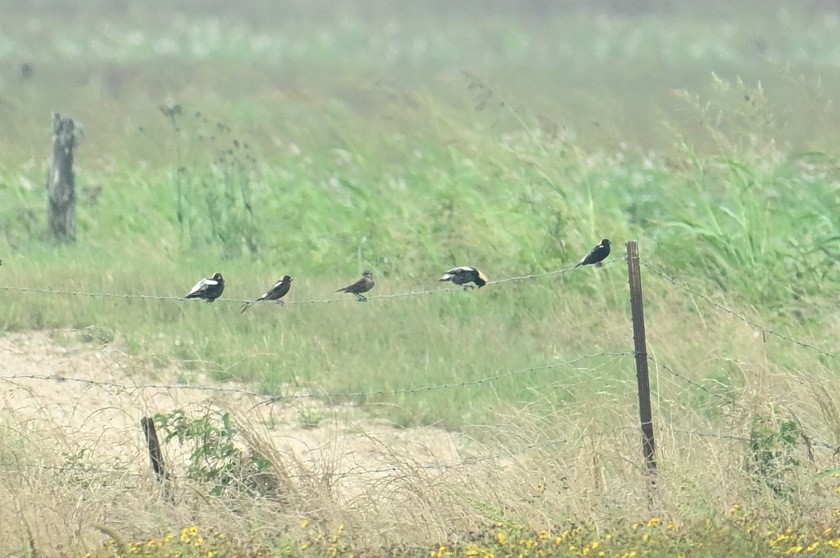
(363, 285)
(465, 274)
(276, 292)
(208, 289)
(597, 254)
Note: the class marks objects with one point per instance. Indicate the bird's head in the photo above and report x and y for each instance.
(287, 279)
(368, 273)
(482, 279)
(605, 242)
(218, 277)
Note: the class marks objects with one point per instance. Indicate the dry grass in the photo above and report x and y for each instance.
(76, 467)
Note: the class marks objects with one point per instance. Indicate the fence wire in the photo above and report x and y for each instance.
(270, 399)
(405, 294)
(765, 329)
(507, 454)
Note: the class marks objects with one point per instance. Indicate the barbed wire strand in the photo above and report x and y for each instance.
(356, 471)
(269, 398)
(406, 294)
(397, 468)
(725, 399)
(735, 314)
(360, 471)
(670, 370)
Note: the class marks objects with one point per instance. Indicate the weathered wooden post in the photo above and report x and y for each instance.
(637, 308)
(61, 183)
(156, 457)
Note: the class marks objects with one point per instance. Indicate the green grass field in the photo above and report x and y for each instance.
(320, 140)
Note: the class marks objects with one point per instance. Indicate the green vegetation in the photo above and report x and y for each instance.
(319, 142)
(738, 534)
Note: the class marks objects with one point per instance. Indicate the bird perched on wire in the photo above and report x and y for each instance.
(278, 291)
(597, 254)
(465, 274)
(363, 285)
(208, 289)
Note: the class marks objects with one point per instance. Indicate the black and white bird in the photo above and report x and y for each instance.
(465, 274)
(363, 285)
(597, 254)
(208, 289)
(278, 291)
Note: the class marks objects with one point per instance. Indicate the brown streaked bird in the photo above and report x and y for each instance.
(278, 291)
(363, 285)
(465, 274)
(208, 289)
(597, 254)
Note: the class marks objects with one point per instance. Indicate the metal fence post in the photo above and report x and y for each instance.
(637, 308)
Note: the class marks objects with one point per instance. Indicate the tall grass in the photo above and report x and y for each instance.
(320, 149)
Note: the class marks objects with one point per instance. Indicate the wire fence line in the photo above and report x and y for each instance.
(396, 468)
(353, 471)
(687, 380)
(765, 329)
(406, 294)
(410, 294)
(272, 398)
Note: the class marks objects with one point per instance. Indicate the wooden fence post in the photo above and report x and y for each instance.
(61, 183)
(156, 457)
(637, 308)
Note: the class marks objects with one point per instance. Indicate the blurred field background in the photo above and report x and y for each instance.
(319, 139)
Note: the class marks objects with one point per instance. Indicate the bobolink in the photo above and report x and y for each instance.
(465, 274)
(363, 285)
(597, 254)
(208, 289)
(276, 292)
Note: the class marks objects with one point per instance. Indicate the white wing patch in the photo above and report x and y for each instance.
(203, 284)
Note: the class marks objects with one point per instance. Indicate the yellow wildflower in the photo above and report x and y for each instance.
(654, 521)
(501, 537)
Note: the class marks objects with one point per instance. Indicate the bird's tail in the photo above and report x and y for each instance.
(246, 306)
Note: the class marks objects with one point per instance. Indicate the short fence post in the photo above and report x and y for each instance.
(637, 308)
(61, 183)
(156, 457)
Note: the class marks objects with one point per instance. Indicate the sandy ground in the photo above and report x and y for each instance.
(83, 402)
